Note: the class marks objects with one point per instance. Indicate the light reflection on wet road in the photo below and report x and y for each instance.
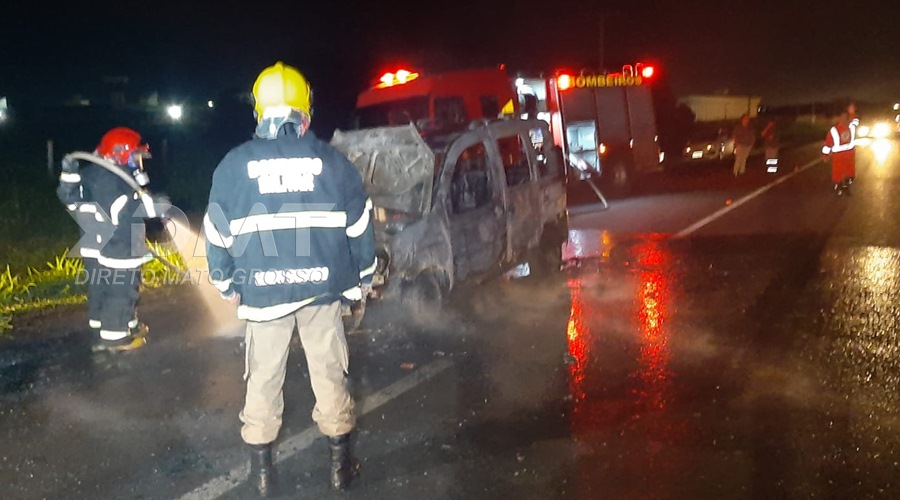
(794, 394)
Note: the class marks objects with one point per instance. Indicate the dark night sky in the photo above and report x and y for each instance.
(786, 51)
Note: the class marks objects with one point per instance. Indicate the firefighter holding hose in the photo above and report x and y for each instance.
(104, 193)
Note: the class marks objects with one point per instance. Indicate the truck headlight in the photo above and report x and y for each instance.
(881, 130)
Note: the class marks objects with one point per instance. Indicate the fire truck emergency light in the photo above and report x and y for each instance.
(630, 75)
(399, 78)
(644, 71)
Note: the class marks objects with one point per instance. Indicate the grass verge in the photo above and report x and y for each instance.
(57, 283)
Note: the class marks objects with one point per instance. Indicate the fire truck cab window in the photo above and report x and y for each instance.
(449, 110)
(471, 186)
(515, 159)
(400, 112)
(582, 139)
(490, 107)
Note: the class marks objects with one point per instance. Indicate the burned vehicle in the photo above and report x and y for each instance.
(460, 206)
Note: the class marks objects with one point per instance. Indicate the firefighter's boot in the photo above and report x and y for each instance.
(262, 470)
(139, 330)
(343, 466)
(127, 343)
(137, 337)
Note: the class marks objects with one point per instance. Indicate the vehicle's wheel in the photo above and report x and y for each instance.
(617, 179)
(423, 297)
(545, 260)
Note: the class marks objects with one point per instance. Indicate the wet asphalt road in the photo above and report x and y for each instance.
(686, 352)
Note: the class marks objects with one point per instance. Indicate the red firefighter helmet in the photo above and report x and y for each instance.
(123, 146)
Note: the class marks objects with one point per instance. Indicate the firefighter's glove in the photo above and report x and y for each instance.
(70, 165)
(233, 297)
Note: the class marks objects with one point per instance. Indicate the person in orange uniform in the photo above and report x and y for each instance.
(840, 148)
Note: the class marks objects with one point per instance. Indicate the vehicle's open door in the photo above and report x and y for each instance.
(475, 206)
(522, 202)
(643, 129)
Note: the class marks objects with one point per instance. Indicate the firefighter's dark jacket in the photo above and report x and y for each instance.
(110, 214)
(288, 225)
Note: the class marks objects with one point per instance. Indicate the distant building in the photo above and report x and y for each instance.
(76, 101)
(715, 108)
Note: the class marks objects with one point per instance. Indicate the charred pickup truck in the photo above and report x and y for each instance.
(460, 206)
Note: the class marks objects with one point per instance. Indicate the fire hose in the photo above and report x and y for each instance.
(113, 168)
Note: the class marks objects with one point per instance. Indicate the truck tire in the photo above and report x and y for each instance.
(545, 259)
(618, 179)
(423, 296)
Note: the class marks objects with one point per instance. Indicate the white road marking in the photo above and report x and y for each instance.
(221, 485)
(721, 212)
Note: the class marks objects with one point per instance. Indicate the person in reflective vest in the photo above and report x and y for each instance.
(840, 148)
(771, 145)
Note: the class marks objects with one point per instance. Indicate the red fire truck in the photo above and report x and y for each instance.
(404, 97)
(604, 122)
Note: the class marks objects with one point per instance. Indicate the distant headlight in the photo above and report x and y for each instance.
(881, 130)
(175, 112)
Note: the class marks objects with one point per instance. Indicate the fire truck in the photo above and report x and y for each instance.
(603, 122)
(440, 100)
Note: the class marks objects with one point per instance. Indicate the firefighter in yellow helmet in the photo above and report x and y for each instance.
(290, 240)
(281, 95)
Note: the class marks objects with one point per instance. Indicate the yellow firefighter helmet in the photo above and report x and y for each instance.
(281, 86)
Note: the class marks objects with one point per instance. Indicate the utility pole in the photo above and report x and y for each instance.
(50, 157)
